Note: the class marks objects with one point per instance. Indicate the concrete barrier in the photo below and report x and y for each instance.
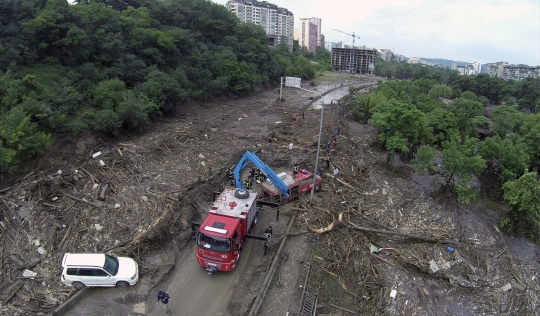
(64, 307)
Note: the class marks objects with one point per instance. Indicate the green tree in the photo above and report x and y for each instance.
(20, 135)
(460, 163)
(530, 137)
(440, 90)
(465, 109)
(504, 157)
(444, 125)
(362, 105)
(508, 118)
(402, 127)
(523, 197)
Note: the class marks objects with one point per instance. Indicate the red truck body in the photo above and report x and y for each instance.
(302, 184)
(222, 234)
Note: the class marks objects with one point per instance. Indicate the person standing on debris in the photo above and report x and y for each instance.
(221, 188)
(336, 171)
(295, 169)
(252, 172)
(268, 232)
(328, 148)
(233, 183)
(290, 147)
(270, 142)
(230, 174)
(260, 177)
(328, 160)
(164, 298)
(248, 183)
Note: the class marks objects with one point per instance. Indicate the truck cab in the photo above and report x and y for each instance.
(302, 184)
(221, 235)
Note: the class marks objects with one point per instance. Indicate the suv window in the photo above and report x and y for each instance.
(71, 271)
(99, 273)
(85, 272)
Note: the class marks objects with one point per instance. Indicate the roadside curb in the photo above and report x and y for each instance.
(64, 307)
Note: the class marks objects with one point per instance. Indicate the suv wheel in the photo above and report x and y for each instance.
(122, 284)
(78, 285)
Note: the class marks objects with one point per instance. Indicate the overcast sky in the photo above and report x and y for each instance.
(463, 30)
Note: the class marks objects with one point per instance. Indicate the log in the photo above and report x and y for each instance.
(344, 183)
(103, 192)
(15, 289)
(424, 238)
(81, 200)
(327, 228)
(94, 179)
(336, 223)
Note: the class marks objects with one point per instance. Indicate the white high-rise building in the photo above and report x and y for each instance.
(477, 67)
(277, 22)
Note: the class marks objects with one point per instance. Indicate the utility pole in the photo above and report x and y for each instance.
(352, 52)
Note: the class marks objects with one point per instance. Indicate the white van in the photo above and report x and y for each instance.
(89, 269)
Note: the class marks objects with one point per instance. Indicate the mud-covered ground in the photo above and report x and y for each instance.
(376, 239)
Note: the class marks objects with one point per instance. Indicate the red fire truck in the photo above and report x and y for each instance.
(222, 234)
(302, 184)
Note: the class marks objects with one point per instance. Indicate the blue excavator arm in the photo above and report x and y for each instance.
(270, 174)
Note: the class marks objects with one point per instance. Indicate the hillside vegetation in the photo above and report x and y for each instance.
(109, 66)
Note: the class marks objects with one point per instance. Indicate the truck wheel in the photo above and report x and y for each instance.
(256, 219)
(317, 188)
(241, 194)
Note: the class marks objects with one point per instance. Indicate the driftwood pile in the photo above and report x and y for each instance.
(100, 206)
(384, 246)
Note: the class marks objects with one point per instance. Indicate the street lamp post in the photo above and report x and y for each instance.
(319, 142)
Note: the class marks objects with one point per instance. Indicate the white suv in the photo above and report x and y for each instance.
(89, 269)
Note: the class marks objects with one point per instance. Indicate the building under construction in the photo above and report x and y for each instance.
(354, 60)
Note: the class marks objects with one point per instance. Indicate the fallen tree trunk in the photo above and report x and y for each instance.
(336, 223)
(344, 183)
(424, 238)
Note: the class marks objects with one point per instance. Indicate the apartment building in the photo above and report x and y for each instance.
(309, 35)
(514, 72)
(277, 22)
(495, 69)
(385, 54)
(520, 72)
(354, 60)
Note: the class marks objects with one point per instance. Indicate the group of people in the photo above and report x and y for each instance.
(255, 175)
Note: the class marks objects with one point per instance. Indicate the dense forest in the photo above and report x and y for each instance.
(106, 66)
(465, 130)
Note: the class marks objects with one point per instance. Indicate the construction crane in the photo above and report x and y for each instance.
(352, 52)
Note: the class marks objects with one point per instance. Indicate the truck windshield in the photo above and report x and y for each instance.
(214, 243)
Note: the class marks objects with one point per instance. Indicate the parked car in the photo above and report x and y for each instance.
(98, 269)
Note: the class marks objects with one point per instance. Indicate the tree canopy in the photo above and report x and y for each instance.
(109, 66)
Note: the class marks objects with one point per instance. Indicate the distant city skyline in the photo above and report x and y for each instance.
(483, 31)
